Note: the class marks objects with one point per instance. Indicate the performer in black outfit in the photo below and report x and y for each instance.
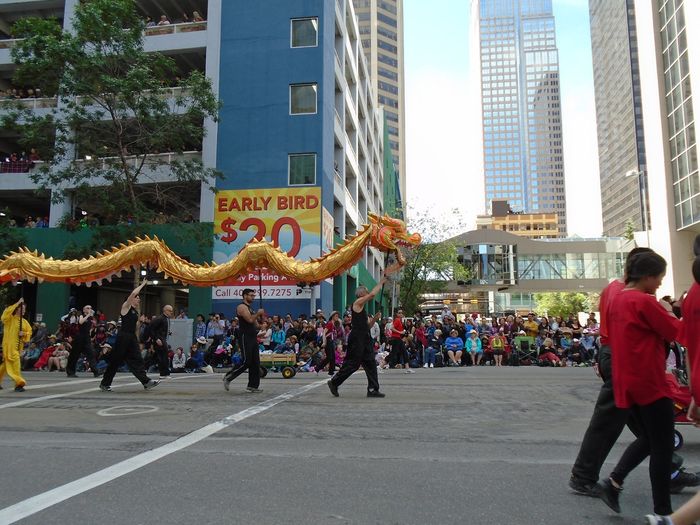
(160, 330)
(82, 343)
(249, 324)
(126, 347)
(360, 351)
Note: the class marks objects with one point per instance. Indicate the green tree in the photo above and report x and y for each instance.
(430, 265)
(561, 303)
(116, 113)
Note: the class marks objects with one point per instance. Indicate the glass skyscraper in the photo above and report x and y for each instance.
(521, 108)
(620, 124)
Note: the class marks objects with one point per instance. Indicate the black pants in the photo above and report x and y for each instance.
(329, 358)
(251, 362)
(398, 353)
(126, 349)
(81, 347)
(162, 356)
(656, 441)
(358, 354)
(604, 428)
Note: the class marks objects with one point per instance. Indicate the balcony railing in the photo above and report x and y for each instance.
(30, 103)
(171, 29)
(153, 160)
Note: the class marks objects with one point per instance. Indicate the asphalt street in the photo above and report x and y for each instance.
(477, 446)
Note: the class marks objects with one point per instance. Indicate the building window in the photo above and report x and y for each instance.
(302, 169)
(304, 32)
(302, 99)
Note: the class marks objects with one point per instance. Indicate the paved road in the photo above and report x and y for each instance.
(485, 446)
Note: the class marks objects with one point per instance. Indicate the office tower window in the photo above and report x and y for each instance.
(304, 32)
(302, 169)
(302, 99)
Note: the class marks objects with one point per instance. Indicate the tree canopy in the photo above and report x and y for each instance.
(430, 265)
(565, 303)
(119, 110)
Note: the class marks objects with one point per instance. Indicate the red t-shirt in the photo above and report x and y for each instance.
(690, 336)
(397, 328)
(638, 326)
(610, 291)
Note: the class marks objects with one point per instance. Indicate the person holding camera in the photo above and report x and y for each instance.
(82, 343)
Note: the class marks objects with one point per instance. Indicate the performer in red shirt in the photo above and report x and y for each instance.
(398, 349)
(607, 420)
(690, 337)
(638, 327)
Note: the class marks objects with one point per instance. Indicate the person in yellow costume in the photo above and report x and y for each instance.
(17, 331)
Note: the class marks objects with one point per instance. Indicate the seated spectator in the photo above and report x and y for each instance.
(433, 346)
(195, 363)
(196, 17)
(29, 356)
(497, 344)
(179, 361)
(474, 348)
(588, 341)
(59, 358)
(547, 355)
(43, 362)
(454, 346)
(103, 357)
(150, 22)
(164, 21)
(577, 353)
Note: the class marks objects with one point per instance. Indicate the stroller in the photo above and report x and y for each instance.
(680, 394)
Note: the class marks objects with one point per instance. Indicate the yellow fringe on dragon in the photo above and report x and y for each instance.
(384, 233)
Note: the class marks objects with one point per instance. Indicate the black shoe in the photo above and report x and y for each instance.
(333, 388)
(71, 375)
(682, 480)
(105, 388)
(375, 393)
(653, 519)
(584, 488)
(1, 387)
(19, 389)
(610, 495)
(151, 384)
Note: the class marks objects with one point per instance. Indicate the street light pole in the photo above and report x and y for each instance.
(640, 174)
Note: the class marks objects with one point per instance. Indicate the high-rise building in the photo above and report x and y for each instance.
(619, 115)
(380, 23)
(521, 112)
(669, 71)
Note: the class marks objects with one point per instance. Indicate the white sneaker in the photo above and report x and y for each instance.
(432, 365)
(425, 365)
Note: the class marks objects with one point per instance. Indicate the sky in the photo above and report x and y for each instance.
(443, 136)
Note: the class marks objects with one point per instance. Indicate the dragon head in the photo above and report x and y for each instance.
(388, 234)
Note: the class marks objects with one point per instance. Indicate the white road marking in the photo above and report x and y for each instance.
(35, 504)
(37, 386)
(30, 400)
(126, 410)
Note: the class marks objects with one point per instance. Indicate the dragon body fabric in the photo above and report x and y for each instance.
(384, 233)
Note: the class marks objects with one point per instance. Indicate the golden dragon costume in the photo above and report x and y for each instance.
(384, 233)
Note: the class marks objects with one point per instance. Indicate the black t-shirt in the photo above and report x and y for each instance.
(129, 322)
(247, 329)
